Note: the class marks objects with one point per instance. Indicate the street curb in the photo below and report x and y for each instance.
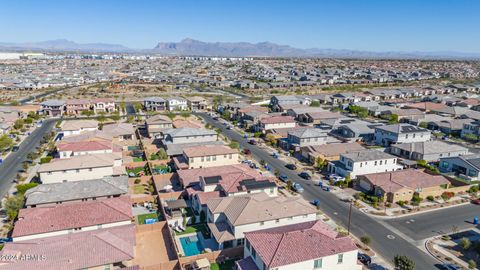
(416, 213)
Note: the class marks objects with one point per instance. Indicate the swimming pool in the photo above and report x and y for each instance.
(191, 245)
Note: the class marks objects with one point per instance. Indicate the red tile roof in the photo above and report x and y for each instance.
(85, 146)
(73, 215)
(297, 243)
(73, 251)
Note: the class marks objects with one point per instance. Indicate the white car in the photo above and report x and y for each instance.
(336, 178)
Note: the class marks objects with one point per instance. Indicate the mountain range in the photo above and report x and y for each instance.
(191, 47)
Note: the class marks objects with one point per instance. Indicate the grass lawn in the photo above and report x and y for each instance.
(136, 170)
(139, 189)
(228, 265)
(195, 228)
(141, 218)
(137, 159)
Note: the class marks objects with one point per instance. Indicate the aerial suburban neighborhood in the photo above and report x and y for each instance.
(206, 155)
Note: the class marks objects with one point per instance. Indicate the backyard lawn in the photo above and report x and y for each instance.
(136, 170)
(195, 228)
(139, 189)
(137, 159)
(141, 218)
(227, 265)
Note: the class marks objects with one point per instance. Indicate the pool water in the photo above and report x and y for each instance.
(191, 245)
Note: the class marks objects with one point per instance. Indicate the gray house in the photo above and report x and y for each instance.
(303, 137)
(357, 131)
(466, 167)
(428, 151)
(400, 133)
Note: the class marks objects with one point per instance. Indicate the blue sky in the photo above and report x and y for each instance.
(373, 25)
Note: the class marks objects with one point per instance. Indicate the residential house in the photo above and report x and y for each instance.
(329, 152)
(82, 167)
(402, 185)
(177, 104)
(466, 167)
(62, 252)
(230, 217)
(471, 128)
(205, 156)
(156, 124)
(53, 107)
(279, 248)
(155, 104)
(197, 103)
(77, 106)
(176, 139)
(363, 162)
(356, 131)
(429, 151)
(400, 133)
(276, 122)
(75, 127)
(47, 195)
(103, 105)
(40, 222)
(120, 131)
(71, 149)
(301, 137)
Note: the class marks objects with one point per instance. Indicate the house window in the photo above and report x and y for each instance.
(90, 169)
(77, 170)
(254, 253)
(214, 158)
(317, 264)
(208, 158)
(277, 220)
(247, 244)
(381, 162)
(375, 163)
(230, 156)
(340, 258)
(262, 223)
(203, 159)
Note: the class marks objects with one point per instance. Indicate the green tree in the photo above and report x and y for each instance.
(12, 205)
(162, 154)
(87, 113)
(137, 106)
(393, 119)
(5, 142)
(226, 115)
(101, 118)
(315, 103)
(270, 138)
(130, 119)
(423, 125)
(348, 179)
(402, 262)
(171, 115)
(18, 124)
(320, 163)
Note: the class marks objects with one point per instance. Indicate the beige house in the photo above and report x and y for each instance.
(75, 127)
(156, 124)
(402, 185)
(206, 156)
(82, 167)
(329, 152)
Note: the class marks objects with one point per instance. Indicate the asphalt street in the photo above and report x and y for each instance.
(429, 224)
(13, 163)
(384, 240)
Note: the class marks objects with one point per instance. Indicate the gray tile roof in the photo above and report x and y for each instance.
(184, 132)
(53, 102)
(367, 155)
(77, 190)
(402, 128)
(307, 133)
(430, 147)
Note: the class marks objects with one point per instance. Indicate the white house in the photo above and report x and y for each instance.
(307, 245)
(276, 122)
(75, 127)
(177, 104)
(363, 162)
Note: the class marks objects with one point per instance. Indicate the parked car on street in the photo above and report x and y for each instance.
(283, 178)
(476, 201)
(364, 259)
(315, 202)
(305, 175)
(297, 187)
(449, 266)
(291, 166)
(335, 178)
(252, 142)
(247, 151)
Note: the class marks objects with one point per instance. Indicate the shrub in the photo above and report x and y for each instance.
(430, 198)
(472, 264)
(447, 195)
(416, 200)
(22, 188)
(137, 181)
(366, 240)
(401, 203)
(473, 189)
(465, 243)
(46, 159)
